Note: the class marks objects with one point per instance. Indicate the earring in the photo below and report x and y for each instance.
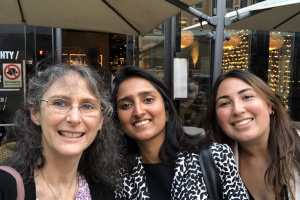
(167, 117)
(272, 113)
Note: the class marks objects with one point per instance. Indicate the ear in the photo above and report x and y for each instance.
(35, 116)
(101, 123)
(269, 108)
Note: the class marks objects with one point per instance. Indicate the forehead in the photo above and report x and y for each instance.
(232, 85)
(135, 85)
(70, 83)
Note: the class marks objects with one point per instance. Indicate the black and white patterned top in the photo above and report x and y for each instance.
(188, 182)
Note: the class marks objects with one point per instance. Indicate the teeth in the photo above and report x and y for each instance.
(71, 135)
(243, 122)
(142, 123)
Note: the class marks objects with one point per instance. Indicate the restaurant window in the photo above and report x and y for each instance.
(235, 50)
(243, 3)
(151, 52)
(198, 5)
(279, 69)
(193, 109)
(229, 4)
(184, 23)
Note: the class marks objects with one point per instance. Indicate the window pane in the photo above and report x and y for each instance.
(229, 3)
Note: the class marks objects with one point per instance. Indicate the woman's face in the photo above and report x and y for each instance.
(67, 134)
(242, 114)
(141, 111)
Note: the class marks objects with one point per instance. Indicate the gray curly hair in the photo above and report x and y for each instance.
(99, 162)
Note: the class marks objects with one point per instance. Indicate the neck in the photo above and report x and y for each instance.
(51, 186)
(150, 151)
(249, 150)
(58, 179)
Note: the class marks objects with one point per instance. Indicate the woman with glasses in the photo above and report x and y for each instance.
(66, 143)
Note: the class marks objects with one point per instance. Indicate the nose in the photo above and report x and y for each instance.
(139, 110)
(74, 115)
(238, 107)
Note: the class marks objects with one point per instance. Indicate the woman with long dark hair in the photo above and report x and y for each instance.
(245, 114)
(162, 160)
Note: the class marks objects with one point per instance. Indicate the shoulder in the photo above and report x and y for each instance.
(30, 191)
(222, 154)
(8, 186)
(220, 147)
(100, 193)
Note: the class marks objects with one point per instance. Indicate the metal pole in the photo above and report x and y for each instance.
(58, 45)
(221, 12)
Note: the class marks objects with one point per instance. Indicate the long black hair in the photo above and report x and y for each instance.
(176, 139)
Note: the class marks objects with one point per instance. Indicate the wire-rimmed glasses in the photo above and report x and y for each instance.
(59, 105)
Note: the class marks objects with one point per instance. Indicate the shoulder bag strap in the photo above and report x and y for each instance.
(210, 172)
(19, 181)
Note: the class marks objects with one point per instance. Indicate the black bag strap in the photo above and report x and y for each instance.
(210, 171)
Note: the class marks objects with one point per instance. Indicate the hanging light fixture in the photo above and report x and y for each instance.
(234, 41)
(276, 41)
(187, 38)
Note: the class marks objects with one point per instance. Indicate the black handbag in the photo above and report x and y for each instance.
(210, 172)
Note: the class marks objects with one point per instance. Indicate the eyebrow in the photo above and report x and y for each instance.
(239, 92)
(139, 94)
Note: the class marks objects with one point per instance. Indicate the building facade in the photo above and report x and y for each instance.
(273, 56)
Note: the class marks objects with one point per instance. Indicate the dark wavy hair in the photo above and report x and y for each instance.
(99, 161)
(283, 142)
(176, 139)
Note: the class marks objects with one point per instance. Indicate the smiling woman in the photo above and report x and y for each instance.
(67, 146)
(162, 160)
(245, 114)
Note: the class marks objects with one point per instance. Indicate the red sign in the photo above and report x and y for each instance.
(12, 72)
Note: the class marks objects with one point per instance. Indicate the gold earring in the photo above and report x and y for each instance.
(272, 113)
(167, 117)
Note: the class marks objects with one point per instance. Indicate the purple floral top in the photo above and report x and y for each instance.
(83, 192)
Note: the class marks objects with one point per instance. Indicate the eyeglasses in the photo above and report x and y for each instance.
(89, 108)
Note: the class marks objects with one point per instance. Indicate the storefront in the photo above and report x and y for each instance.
(21, 48)
(273, 56)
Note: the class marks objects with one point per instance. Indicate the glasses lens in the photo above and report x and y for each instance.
(90, 109)
(59, 105)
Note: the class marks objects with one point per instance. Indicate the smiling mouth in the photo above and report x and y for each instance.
(243, 122)
(70, 135)
(142, 123)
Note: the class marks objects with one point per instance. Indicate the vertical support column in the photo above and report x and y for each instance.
(221, 12)
(58, 45)
(130, 50)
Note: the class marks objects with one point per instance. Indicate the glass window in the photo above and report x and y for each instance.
(184, 23)
(243, 3)
(235, 51)
(198, 5)
(229, 4)
(151, 52)
(192, 109)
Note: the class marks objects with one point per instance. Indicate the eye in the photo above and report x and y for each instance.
(247, 97)
(149, 99)
(88, 106)
(125, 106)
(59, 103)
(223, 104)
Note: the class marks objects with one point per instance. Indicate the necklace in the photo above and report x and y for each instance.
(76, 185)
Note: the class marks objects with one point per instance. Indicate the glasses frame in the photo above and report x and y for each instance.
(78, 106)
